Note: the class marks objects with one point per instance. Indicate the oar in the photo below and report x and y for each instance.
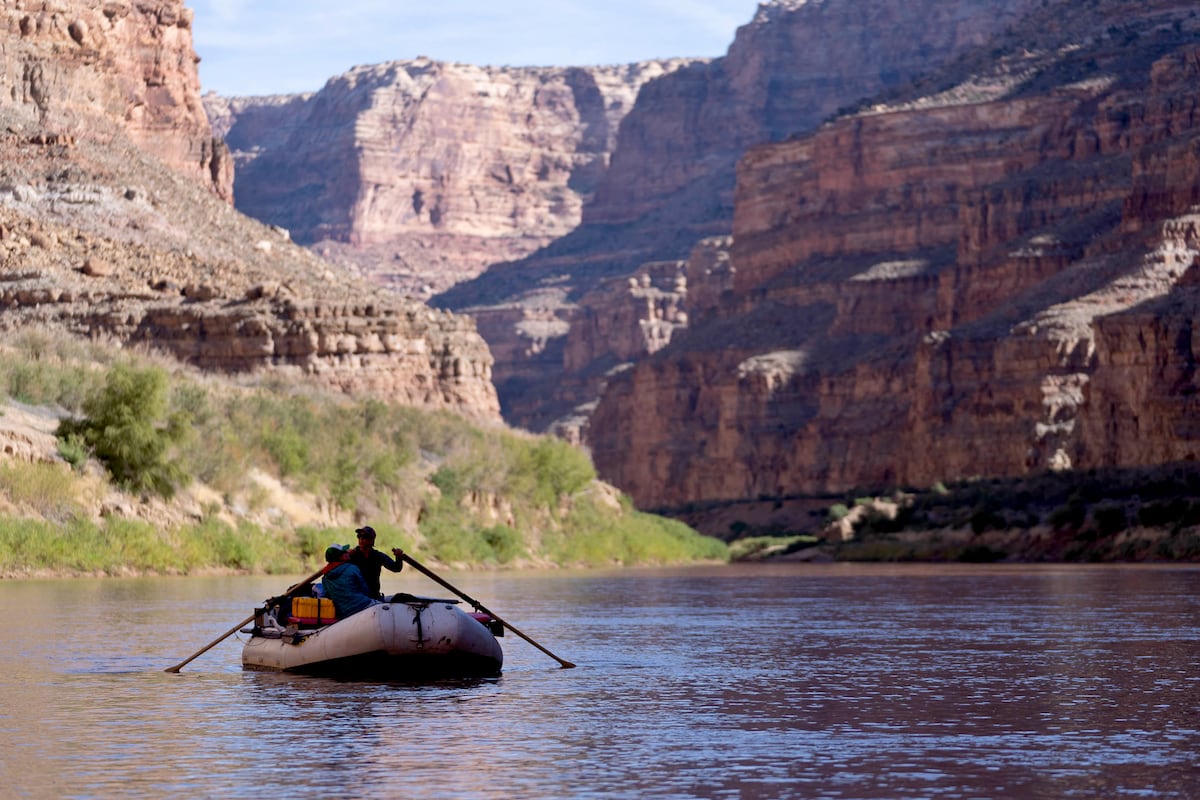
(246, 621)
(409, 559)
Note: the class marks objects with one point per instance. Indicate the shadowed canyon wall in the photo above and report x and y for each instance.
(671, 183)
(989, 274)
(420, 174)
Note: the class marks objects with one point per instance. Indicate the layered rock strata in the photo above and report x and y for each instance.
(112, 224)
(990, 276)
(620, 321)
(129, 64)
(157, 260)
(672, 178)
(420, 173)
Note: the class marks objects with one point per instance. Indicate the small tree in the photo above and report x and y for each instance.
(126, 425)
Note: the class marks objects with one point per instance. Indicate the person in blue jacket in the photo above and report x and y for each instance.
(344, 584)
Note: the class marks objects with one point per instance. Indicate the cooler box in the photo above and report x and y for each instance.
(312, 611)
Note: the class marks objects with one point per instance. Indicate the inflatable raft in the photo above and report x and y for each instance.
(406, 637)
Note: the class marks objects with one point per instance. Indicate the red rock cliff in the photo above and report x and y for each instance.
(79, 62)
(671, 182)
(990, 275)
(420, 173)
(110, 225)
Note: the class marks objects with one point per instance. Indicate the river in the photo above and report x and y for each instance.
(796, 681)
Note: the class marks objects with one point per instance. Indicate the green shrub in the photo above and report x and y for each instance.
(46, 368)
(451, 539)
(141, 545)
(118, 545)
(78, 546)
(980, 554)
(74, 450)
(875, 549)
(546, 469)
(1162, 513)
(591, 535)
(504, 543)
(311, 542)
(1191, 515)
(449, 482)
(289, 449)
(879, 521)
(754, 548)
(985, 519)
(370, 457)
(344, 482)
(127, 426)
(1068, 516)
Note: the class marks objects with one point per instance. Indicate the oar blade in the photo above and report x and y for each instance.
(175, 669)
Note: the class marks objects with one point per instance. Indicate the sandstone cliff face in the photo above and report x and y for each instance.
(990, 275)
(787, 70)
(77, 62)
(251, 126)
(110, 225)
(420, 173)
(671, 182)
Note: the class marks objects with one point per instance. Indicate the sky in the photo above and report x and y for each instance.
(255, 47)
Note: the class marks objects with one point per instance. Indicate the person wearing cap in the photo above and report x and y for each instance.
(344, 583)
(371, 561)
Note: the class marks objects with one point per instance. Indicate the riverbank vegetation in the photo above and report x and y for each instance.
(1135, 514)
(155, 468)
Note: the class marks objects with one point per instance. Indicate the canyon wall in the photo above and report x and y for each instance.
(510, 194)
(941, 241)
(421, 173)
(128, 64)
(990, 273)
(671, 182)
(114, 222)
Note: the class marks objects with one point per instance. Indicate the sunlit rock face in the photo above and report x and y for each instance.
(513, 194)
(132, 63)
(672, 177)
(421, 173)
(990, 273)
(115, 222)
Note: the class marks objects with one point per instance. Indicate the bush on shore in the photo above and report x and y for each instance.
(472, 494)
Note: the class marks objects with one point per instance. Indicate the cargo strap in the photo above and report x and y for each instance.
(420, 640)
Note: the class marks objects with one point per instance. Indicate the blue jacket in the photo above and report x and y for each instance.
(344, 585)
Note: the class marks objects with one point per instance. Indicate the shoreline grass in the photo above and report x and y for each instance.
(442, 486)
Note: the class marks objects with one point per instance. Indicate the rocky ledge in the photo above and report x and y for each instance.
(115, 222)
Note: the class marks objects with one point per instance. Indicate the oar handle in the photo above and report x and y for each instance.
(429, 574)
(246, 621)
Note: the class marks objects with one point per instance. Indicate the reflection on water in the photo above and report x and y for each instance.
(779, 681)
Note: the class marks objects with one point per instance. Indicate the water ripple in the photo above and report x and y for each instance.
(775, 683)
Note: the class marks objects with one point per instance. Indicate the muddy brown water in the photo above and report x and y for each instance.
(797, 681)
